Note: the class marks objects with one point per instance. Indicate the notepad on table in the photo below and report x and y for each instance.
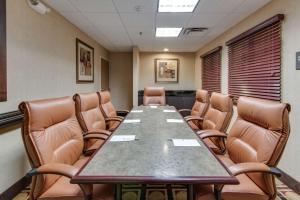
(185, 143)
(137, 111)
(122, 138)
(174, 120)
(169, 111)
(127, 121)
(153, 106)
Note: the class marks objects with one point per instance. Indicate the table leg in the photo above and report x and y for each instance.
(190, 192)
(217, 192)
(118, 191)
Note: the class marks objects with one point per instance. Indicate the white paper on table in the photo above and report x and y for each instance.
(127, 121)
(137, 111)
(169, 111)
(174, 120)
(153, 106)
(185, 143)
(122, 138)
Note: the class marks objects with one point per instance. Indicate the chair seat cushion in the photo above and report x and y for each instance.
(212, 146)
(193, 125)
(96, 145)
(246, 190)
(62, 189)
(113, 126)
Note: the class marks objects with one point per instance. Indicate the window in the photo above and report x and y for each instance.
(255, 61)
(211, 70)
(3, 89)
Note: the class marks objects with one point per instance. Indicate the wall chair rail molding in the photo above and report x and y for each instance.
(3, 75)
(10, 118)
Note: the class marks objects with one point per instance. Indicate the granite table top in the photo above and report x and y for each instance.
(152, 157)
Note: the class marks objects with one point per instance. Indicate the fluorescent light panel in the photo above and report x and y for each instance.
(168, 32)
(177, 5)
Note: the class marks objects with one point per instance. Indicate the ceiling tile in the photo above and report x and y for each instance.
(218, 6)
(138, 21)
(61, 5)
(172, 19)
(131, 6)
(206, 20)
(94, 5)
(78, 20)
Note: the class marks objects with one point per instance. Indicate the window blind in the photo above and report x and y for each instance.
(211, 70)
(255, 61)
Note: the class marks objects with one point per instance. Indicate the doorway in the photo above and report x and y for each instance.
(104, 74)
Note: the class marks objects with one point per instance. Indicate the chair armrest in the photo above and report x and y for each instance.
(55, 168)
(251, 167)
(184, 110)
(117, 119)
(193, 118)
(99, 132)
(122, 113)
(62, 170)
(211, 133)
(95, 136)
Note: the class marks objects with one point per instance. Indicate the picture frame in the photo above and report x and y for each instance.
(166, 70)
(84, 62)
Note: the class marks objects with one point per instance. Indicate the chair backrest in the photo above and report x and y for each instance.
(219, 113)
(259, 134)
(88, 112)
(51, 134)
(106, 105)
(155, 96)
(201, 104)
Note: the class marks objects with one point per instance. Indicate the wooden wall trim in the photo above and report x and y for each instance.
(289, 181)
(3, 73)
(16, 188)
(10, 118)
(261, 26)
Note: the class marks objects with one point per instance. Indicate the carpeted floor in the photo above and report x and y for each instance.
(170, 192)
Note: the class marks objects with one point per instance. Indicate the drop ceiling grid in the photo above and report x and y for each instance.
(116, 24)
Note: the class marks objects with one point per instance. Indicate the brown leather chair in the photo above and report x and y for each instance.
(109, 111)
(199, 109)
(91, 119)
(54, 144)
(254, 146)
(154, 96)
(217, 117)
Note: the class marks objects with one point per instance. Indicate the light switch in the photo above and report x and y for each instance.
(297, 60)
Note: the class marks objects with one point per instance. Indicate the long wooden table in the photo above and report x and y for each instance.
(152, 157)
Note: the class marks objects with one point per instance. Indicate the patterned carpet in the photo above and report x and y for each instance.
(170, 192)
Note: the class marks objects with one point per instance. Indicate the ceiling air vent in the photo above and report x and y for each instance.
(194, 31)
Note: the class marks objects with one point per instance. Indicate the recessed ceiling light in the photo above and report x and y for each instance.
(166, 49)
(167, 32)
(177, 5)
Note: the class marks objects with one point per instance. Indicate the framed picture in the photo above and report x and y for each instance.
(166, 70)
(84, 62)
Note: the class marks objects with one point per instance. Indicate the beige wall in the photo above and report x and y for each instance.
(186, 70)
(290, 161)
(120, 80)
(40, 64)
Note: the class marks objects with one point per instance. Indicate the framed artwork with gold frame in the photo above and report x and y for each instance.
(166, 70)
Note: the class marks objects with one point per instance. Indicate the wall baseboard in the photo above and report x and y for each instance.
(289, 181)
(16, 188)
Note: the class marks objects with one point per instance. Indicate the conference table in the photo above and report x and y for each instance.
(159, 147)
